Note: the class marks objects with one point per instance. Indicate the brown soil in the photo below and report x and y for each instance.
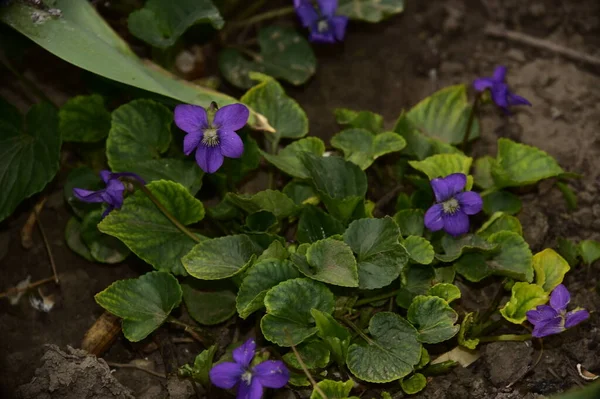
(383, 68)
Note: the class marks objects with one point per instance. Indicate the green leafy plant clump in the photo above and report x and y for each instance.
(352, 257)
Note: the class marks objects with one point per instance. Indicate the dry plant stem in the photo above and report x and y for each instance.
(304, 368)
(506, 337)
(27, 230)
(280, 12)
(133, 366)
(366, 301)
(470, 122)
(196, 332)
(167, 214)
(13, 290)
(496, 31)
(48, 248)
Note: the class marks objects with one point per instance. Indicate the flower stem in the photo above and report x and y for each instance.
(165, 212)
(303, 365)
(506, 337)
(279, 12)
(365, 301)
(471, 120)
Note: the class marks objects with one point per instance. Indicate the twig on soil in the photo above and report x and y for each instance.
(496, 31)
(27, 230)
(133, 366)
(14, 290)
(205, 339)
(47, 244)
(304, 368)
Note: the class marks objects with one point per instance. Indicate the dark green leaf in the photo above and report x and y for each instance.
(415, 383)
(82, 177)
(330, 261)
(202, 365)
(103, 248)
(301, 193)
(416, 280)
(418, 145)
(314, 354)
(272, 201)
(410, 221)
(568, 250)
(501, 201)
(568, 194)
(333, 334)
(74, 239)
(288, 160)
(315, 225)
(433, 318)
(589, 251)
(84, 119)
(208, 306)
(455, 247)
(362, 147)
(360, 119)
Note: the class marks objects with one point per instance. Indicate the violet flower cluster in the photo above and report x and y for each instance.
(453, 207)
(212, 132)
(499, 90)
(324, 26)
(111, 195)
(554, 318)
(249, 381)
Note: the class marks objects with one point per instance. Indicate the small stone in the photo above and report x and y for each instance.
(507, 361)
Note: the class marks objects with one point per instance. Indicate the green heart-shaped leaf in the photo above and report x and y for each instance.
(330, 261)
(74, 239)
(362, 147)
(501, 201)
(418, 145)
(148, 232)
(500, 222)
(419, 249)
(410, 221)
(550, 269)
(455, 247)
(333, 390)
(524, 297)
(161, 22)
(333, 334)
(288, 160)
(359, 119)
(288, 320)
(208, 305)
(433, 318)
(103, 248)
(416, 280)
(272, 201)
(448, 292)
(82, 177)
(84, 119)
(144, 303)
(442, 165)
(390, 354)
(415, 383)
(589, 251)
(314, 354)
(315, 225)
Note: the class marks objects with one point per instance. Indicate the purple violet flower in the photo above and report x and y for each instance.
(212, 132)
(323, 24)
(112, 195)
(249, 381)
(452, 206)
(499, 90)
(554, 318)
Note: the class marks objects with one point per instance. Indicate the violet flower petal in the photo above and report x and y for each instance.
(306, 12)
(553, 326)
(339, 24)
(560, 298)
(325, 37)
(456, 224)
(231, 144)
(209, 159)
(433, 217)
(244, 354)
(191, 141)
(470, 202)
(328, 7)
(252, 391)
(271, 374)
(226, 375)
(499, 93)
(231, 117)
(105, 175)
(514, 99)
(447, 187)
(190, 118)
(500, 74)
(482, 83)
(88, 195)
(541, 314)
(575, 317)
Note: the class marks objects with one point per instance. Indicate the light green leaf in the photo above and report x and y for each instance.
(390, 354)
(84, 119)
(501, 201)
(424, 360)
(442, 165)
(550, 269)
(360, 119)
(433, 318)
(524, 297)
(589, 251)
(455, 247)
(284, 54)
(82, 177)
(520, 164)
(465, 329)
(261, 222)
(275, 250)
(482, 173)
(333, 334)
(416, 280)
(418, 145)
(74, 239)
(410, 221)
(288, 320)
(272, 201)
(568, 250)
(206, 305)
(499, 222)
(568, 194)
(144, 303)
(199, 372)
(148, 232)
(370, 10)
(261, 277)
(288, 160)
(444, 115)
(333, 389)
(419, 249)
(362, 147)
(160, 22)
(103, 248)
(330, 261)
(448, 292)
(415, 383)
(341, 185)
(80, 28)
(380, 256)
(222, 257)
(314, 354)
(29, 150)
(315, 225)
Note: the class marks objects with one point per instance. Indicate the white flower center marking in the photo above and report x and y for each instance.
(247, 377)
(323, 26)
(210, 138)
(450, 206)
